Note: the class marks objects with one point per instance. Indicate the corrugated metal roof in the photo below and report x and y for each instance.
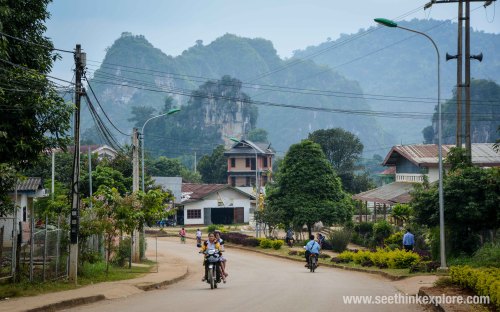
(249, 147)
(193, 192)
(31, 184)
(483, 154)
(397, 192)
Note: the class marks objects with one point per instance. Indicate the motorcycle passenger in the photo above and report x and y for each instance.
(312, 247)
(210, 244)
(223, 259)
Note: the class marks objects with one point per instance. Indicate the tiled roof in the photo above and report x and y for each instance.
(483, 154)
(31, 184)
(397, 192)
(389, 171)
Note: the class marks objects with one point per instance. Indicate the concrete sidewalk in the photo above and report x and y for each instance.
(170, 270)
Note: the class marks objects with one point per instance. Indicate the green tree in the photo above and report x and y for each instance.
(33, 117)
(343, 150)
(457, 158)
(165, 167)
(401, 213)
(308, 190)
(213, 168)
(258, 135)
(471, 206)
(105, 176)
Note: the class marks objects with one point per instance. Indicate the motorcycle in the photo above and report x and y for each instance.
(313, 262)
(212, 268)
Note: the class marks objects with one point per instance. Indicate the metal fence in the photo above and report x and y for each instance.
(7, 248)
(31, 253)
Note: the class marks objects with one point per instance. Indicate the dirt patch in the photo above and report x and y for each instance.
(450, 292)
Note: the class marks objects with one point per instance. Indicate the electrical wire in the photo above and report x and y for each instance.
(36, 44)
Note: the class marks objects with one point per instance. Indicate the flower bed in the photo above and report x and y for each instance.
(483, 281)
(382, 258)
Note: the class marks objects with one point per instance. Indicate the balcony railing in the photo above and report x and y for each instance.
(410, 177)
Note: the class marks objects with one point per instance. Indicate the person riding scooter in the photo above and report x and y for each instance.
(312, 247)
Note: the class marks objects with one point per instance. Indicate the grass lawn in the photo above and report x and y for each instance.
(88, 274)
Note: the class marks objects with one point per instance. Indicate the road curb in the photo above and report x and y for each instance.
(332, 265)
(154, 286)
(68, 303)
(422, 292)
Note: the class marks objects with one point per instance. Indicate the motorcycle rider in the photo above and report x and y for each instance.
(223, 259)
(210, 244)
(312, 247)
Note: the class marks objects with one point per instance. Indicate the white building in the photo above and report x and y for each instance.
(204, 204)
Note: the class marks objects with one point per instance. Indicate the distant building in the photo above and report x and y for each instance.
(204, 204)
(244, 159)
(102, 151)
(409, 164)
(23, 195)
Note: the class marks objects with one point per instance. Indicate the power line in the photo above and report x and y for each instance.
(33, 70)
(102, 109)
(36, 44)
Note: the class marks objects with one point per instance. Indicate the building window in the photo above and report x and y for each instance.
(265, 162)
(25, 214)
(233, 162)
(247, 162)
(233, 181)
(194, 214)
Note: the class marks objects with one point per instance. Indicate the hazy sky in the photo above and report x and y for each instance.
(175, 25)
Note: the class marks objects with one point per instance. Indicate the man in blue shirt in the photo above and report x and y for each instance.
(408, 240)
(312, 247)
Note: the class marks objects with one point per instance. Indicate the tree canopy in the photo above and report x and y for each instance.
(213, 168)
(307, 189)
(33, 117)
(343, 150)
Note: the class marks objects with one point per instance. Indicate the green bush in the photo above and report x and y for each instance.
(364, 228)
(401, 259)
(483, 281)
(487, 255)
(277, 244)
(361, 256)
(123, 253)
(213, 227)
(339, 239)
(394, 239)
(266, 243)
(381, 231)
(346, 256)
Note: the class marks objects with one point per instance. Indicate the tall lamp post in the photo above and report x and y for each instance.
(170, 112)
(257, 186)
(389, 23)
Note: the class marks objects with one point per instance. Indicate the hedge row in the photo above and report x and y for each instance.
(382, 258)
(483, 281)
(268, 243)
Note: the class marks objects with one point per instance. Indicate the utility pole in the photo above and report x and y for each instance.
(80, 60)
(135, 188)
(468, 56)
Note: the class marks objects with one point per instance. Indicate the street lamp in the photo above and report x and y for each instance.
(170, 112)
(389, 23)
(257, 186)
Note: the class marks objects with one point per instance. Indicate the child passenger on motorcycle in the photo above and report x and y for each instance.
(223, 259)
(210, 244)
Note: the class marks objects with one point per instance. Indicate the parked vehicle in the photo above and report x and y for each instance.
(212, 268)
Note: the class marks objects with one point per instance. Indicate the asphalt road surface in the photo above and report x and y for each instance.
(257, 283)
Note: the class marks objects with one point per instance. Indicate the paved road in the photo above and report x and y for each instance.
(257, 283)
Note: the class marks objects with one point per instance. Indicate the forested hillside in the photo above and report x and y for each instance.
(396, 63)
(135, 74)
